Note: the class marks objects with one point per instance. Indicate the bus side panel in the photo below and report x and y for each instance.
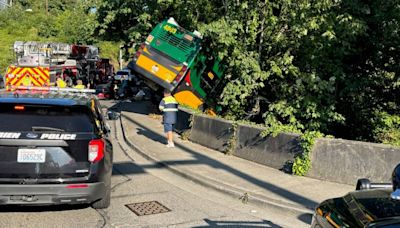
(186, 94)
(202, 84)
(157, 67)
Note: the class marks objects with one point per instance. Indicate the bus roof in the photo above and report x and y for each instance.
(175, 41)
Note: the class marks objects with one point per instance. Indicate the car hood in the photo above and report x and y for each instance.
(364, 207)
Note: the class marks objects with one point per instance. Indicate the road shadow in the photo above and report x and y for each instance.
(239, 224)
(157, 138)
(126, 168)
(18, 208)
(139, 107)
(306, 218)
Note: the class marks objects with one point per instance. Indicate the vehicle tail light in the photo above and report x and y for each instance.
(19, 107)
(96, 150)
(139, 52)
(180, 74)
(187, 79)
(77, 186)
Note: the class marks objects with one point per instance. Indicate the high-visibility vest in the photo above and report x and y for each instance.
(26, 81)
(61, 83)
(79, 87)
(169, 106)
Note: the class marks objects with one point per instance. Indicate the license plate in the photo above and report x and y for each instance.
(31, 155)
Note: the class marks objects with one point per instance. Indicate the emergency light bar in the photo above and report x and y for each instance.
(51, 89)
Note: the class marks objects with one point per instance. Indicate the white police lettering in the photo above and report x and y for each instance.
(9, 135)
(59, 136)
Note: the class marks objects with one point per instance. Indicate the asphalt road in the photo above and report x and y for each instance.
(137, 180)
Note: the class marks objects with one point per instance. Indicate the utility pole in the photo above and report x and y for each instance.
(120, 57)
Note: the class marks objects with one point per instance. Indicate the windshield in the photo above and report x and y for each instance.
(122, 73)
(386, 223)
(45, 118)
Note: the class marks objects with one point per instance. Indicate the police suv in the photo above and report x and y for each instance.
(54, 148)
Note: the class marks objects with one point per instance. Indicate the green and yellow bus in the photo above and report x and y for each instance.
(172, 58)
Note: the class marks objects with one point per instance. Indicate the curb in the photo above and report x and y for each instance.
(253, 198)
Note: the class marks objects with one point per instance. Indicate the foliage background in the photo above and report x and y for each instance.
(69, 21)
(330, 66)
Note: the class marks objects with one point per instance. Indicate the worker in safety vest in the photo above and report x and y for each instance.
(169, 107)
(26, 81)
(79, 85)
(61, 83)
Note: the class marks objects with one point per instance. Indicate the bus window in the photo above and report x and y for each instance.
(207, 80)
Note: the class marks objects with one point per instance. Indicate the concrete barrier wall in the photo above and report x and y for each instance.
(184, 118)
(270, 151)
(345, 161)
(211, 132)
(335, 160)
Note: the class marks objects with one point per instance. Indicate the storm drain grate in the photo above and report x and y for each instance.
(147, 208)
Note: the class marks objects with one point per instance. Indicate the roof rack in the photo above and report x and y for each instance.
(51, 89)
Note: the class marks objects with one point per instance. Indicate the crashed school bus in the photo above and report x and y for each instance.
(172, 58)
(39, 64)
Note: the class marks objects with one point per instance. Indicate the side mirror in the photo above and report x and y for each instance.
(363, 184)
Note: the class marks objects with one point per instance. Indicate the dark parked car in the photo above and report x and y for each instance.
(54, 149)
(105, 91)
(122, 75)
(365, 208)
(126, 89)
(371, 205)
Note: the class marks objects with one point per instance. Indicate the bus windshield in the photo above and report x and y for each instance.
(176, 42)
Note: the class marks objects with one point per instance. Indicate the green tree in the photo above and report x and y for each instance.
(329, 66)
(72, 22)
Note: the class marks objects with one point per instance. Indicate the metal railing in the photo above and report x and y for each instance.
(48, 89)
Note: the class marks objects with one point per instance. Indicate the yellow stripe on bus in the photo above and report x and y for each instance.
(188, 98)
(177, 68)
(155, 68)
